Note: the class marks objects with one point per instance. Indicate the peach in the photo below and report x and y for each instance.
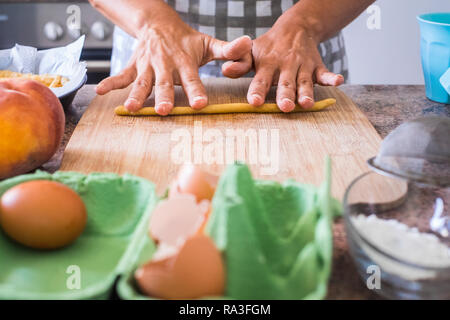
(31, 126)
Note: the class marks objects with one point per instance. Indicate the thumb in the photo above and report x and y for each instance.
(234, 50)
(236, 69)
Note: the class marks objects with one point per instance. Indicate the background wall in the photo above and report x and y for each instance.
(390, 55)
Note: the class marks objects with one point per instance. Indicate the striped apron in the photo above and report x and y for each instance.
(228, 20)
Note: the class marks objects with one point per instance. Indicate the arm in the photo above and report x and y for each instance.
(169, 52)
(133, 15)
(324, 18)
(287, 54)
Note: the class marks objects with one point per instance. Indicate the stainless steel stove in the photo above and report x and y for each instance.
(46, 24)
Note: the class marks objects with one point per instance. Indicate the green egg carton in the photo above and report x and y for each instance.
(118, 211)
(276, 239)
(126, 286)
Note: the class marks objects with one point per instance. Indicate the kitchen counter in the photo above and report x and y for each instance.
(386, 106)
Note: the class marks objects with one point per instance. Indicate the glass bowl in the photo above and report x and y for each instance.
(405, 258)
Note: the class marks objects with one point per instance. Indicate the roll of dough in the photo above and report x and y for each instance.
(225, 108)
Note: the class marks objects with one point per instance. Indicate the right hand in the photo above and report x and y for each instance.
(285, 56)
(171, 54)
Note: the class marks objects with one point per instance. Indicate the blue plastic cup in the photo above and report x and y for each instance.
(435, 52)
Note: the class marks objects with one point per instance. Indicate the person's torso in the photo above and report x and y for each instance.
(228, 20)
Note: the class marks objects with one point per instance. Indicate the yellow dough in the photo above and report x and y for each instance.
(225, 108)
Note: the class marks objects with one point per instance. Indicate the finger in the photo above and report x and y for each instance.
(164, 92)
(119, 81)
(305, 86)
(260, 85)
(286, 89)
(193, 87)
(236, 69)
(141, 89)
(327, 78)
(234, 50)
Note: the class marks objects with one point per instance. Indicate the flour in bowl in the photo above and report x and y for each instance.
(404, 243)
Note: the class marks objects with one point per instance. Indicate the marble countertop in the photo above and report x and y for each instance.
(386, 107)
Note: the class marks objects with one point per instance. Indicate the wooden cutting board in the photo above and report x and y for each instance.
(277, 146)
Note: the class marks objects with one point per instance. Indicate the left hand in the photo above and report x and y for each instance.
(286, 55)
(169, 54)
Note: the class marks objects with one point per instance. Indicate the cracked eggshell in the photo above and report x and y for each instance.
(177, 218)
(193, 180)
(196, 271)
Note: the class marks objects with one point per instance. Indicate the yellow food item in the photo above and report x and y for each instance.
(51, 81)
(42, 214)
(225, 108)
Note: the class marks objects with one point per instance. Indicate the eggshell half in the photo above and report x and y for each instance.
(175, 219)
(193, 180)
(165, 251)
(205, 220)
(196, 271)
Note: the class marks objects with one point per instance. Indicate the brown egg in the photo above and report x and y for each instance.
(195, 271)
(42, 214)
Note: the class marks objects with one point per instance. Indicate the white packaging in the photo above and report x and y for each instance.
(63, 61)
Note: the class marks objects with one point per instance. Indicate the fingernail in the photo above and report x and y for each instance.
(257, 99)
(100, 87)
(199, 99)
(163, 108)
(130, 104)
(306, 102)
(287, 105)
(199, 102)
(328, 78)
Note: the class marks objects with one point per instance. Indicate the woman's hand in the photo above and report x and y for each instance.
(169, 54)
(286, 55)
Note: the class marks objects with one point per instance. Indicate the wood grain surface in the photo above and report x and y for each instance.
(287, 145)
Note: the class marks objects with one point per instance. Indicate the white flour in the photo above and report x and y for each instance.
(404, 243)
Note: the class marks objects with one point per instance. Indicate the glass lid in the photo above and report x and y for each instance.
(417, 150)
